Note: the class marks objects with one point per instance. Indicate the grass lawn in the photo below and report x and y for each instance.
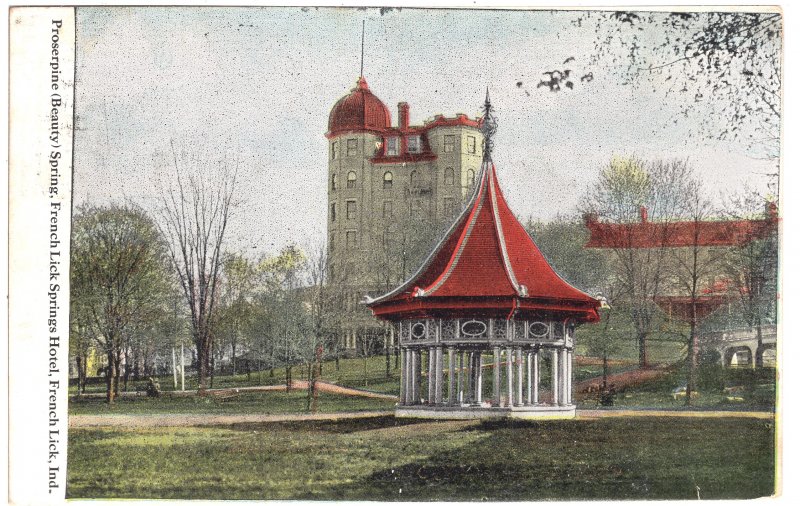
(268, 403)
(719, 388)
(391, 459)
(350, 374)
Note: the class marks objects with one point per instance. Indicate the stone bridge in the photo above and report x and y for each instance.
(739, 347)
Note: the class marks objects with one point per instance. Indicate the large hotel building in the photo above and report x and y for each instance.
(392, 190)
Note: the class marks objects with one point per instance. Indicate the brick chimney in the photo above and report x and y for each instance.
(402, 115)
(643, 214)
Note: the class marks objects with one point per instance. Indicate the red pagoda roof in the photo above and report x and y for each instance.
(486, 264)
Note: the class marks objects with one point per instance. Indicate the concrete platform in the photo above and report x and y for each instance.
(541, 412)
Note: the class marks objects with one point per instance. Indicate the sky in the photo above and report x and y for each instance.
(257, 84)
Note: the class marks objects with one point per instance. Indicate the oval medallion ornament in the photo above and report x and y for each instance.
(418, 330)
(539, 329)
(473, 328)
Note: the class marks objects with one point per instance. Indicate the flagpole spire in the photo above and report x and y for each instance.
(363, 24)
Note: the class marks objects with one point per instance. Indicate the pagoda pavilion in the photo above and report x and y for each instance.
(486, 292)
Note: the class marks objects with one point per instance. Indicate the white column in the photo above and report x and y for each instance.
(438, 375)
(479, 378)
(564, 367)
(414, 369)
(536, 376)
(570, 358)
(183, 372)
(529, 377)
(470, 385)
(403, 377)
(510, 373)
(461, 377)
(451, 377)
(519, 376)
(496, 400)
(554, 366)
(431, 373)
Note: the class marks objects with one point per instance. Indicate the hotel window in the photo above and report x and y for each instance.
(332, 244)
(351, 209)
(449, 143)
(333, 211)
(413, 144)
(351, 179)
(470, 177)
(449, 206)
(449, 176)
(392, 146)
(352, 147)
(470, 144)
(387, 208)
(350, 239)
(388, 179)
(414, 177)
(333, 181)
(335, 150)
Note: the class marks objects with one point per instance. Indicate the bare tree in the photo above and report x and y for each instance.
(632, 195)
(694, 268)
(727, 62)
(752, 265)
(195, 211)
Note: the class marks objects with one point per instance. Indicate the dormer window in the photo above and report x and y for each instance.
(392, 146)
(413, 144)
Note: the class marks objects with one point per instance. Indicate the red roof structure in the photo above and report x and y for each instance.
(359, 111)
(486, 265)
(647, 234)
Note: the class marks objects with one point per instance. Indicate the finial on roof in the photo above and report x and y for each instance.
(363, 24)
(488, 127)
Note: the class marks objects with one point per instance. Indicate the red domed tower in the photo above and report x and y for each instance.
(390, 188)
(359, 111)
(485, 288)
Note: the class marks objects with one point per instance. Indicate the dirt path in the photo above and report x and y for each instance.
(322, 386)
(184, 420)
(620, 380)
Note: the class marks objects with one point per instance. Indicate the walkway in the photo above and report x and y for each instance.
(322, 386)
(184, 420)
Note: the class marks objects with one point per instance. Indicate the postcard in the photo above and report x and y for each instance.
(395, 254)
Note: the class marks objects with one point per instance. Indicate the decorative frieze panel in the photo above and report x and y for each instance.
(474, 329)
(465, 330)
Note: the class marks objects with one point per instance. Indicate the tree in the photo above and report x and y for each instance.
(729, 62)
(118, 280)
(194, 213)
(694, 268)
(752, 266)
(628, 193)
(236, 304)
(562, 241)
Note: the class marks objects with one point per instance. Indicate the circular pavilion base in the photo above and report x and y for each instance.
(540, 412)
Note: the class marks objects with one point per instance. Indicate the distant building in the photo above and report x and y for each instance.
(714, 241)
(391, 189)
